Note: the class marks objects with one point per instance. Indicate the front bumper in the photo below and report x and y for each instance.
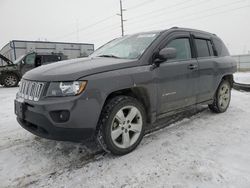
(46, 130)
(37, 118)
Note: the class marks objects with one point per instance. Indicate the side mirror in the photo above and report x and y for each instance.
(167, 53)
(22, 62)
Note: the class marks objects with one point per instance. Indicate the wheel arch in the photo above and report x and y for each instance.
(138, 93)
(230, 78)
(11, 72)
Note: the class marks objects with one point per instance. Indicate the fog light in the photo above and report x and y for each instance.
(60, 116)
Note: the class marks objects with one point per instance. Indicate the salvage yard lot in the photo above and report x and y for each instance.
(206, 150)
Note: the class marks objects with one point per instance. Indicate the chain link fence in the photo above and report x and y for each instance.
(243, 62)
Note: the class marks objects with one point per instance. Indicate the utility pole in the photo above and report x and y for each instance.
(121, 15)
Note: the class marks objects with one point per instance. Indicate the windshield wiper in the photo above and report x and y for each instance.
(108, 55)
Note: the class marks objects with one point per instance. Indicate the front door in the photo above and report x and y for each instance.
(28, 63)
(178, 77)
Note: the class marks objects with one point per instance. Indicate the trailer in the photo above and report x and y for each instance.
(16, 48)
(18, 57)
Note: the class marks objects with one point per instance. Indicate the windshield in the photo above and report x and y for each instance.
(19, 59)
(128, 47)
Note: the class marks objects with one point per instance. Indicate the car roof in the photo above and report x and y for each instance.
(179, 29)
(191, 30)
(196, 31)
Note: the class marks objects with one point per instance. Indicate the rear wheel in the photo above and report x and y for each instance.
(121, 125)
(10, 80)
(222, 97)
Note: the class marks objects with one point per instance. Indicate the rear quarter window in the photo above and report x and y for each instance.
(220, 47)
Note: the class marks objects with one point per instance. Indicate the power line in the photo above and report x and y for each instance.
(222, 12)
(101, 32)
(98, 22)
(106, 35)
(202, 11)
(97, 33)
(161, 9)
(87, 27)
(190, 6)
(103, 20)
(202, 17)
(207, 10)
(140, 5)
(151, 12)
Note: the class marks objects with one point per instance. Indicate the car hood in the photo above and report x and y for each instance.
(8, 61)
(8, 67)
(74, 69)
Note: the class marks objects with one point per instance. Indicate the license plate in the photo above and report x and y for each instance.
(20, 109)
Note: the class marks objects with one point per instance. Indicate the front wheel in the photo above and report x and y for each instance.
(222, 98)
(122, 124)
(10, 80)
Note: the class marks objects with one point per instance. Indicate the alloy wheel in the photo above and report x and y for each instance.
(10, 80)
(126, 127)
(224, 96)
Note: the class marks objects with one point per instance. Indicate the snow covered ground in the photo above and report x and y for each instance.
(242, 77)
(206, 151)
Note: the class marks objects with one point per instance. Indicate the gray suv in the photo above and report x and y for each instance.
(125, 86)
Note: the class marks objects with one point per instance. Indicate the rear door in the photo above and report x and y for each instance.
(206, 58)
(47, 59)
(177, 78)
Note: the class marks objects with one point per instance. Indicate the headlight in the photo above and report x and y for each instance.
(66, 88)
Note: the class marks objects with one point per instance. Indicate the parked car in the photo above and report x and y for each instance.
(9, 75)
(34, 59)
(11, 72)
(126, 85)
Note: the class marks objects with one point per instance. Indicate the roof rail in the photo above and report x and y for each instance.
(174, 27)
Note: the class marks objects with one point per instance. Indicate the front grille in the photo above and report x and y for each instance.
(30, 90)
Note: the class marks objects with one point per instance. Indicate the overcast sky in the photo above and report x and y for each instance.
(95, 21)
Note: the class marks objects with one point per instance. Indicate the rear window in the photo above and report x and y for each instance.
(221, 49)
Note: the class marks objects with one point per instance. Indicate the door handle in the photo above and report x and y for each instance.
(192, 66)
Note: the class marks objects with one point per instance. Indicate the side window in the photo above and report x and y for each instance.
(38, 61)
(182, 46)
(210, 46)
(30, 59)
(202, 47)
(220, 48)
(50, 58)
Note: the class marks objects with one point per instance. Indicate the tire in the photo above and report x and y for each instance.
(10, 80)
(222, 97)
(121, 125)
